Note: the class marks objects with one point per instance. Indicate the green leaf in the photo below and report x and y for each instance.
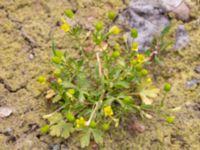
(82, 81)
(67, 129)
(55, 118)
(165, 30)
(122, 84)
(55, 130)
(59, 53)
(147, 92)
(85, 139)
(53, 45)
(147, 95)
(56, 98)
(97, 134)
(81, 96)
(108, 101)
(67, 84)
(62, 129)
(44, 129)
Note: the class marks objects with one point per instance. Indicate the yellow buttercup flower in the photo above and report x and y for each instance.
(149, 80)
(134, 46)
(59, 80)
(115, 30)
(108, 111)
(81, 122)
(65, 27)
(140, 58)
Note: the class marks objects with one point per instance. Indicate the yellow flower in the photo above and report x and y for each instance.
(140, 58)
(81, 122)
(65, 27)
(115, 30)
(149, 80)
(134, 46)
(108, 111)
(59, 80)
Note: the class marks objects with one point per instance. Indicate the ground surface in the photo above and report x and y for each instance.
(25, 49)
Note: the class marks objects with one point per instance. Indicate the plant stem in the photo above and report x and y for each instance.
(99, 103)
(57, 110)
(97, 106)
(162, 101)
(99, 64)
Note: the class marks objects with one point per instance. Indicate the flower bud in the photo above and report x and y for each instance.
(116, 54)
(69, 13)
(115, 30)
(99, 25)
(112, 15)
(106, 126)
(134, 33)
(70, 117)
(167, 87)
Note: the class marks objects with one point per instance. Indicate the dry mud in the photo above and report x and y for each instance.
(26, 27)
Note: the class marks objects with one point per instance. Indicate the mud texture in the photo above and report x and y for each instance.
(26, 29)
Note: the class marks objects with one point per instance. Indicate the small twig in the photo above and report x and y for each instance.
(97, 106)
(99, 64)
(153, 55)
(93, 113)
(57, 110)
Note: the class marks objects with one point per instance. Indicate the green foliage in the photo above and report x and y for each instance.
(170, 119)
(94, 89)
(69, 13)
(44, 129)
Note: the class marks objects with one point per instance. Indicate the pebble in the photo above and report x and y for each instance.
(8, 131)
(192, 83)
(182, 38)
(197, 69)
(5, 112)
(55, 147)
(31, 56)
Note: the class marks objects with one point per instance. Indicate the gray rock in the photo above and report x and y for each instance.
(192, 83)
(182, 38)
(8, 131)
(55, 147)
(197, 69)
(64, 147)
(147, 18)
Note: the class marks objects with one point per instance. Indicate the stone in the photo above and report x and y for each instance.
(182, 38)
(148, 17)
(192, 83)
(5, 112)
(197, 69)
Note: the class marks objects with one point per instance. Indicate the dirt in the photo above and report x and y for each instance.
(26, 29)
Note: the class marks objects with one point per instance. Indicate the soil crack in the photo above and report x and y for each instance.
(30, 41)
(9, 88)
